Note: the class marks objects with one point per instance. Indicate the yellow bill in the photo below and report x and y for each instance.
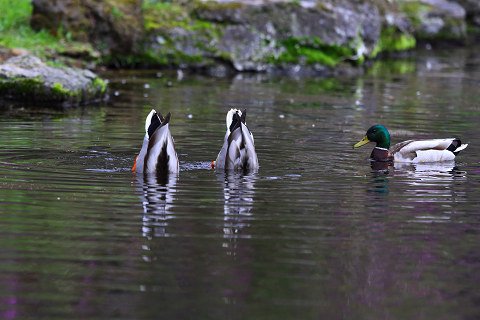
(361, 142)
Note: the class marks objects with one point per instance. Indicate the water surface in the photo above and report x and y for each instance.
(316, 234)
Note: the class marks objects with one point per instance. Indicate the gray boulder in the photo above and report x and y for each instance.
(27, 80)
(472, 8)
(256, 35)
(436, 20)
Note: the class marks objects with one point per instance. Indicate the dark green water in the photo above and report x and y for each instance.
(316, 234)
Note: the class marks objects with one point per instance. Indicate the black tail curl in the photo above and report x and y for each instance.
(456, 143)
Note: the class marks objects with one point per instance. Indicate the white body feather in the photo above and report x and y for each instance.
(422, 151)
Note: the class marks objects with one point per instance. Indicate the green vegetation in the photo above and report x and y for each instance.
(311, 51)
(21, 86)
(15, 32)
(34, 89)
(14, 13)
(100, 83)
(392, 40)
(60, 92)
(117, 13)
(162, 19)
(160, 15)
(214, 6)
(167, 15)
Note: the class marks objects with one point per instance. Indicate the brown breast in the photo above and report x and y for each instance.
(380, 154)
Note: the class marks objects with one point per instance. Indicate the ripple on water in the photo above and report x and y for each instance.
(315, 227)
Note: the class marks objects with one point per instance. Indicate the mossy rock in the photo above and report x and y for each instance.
(27, 80)
(257, 37)
(435, 20)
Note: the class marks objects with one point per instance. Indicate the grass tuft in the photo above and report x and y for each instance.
(15, 32)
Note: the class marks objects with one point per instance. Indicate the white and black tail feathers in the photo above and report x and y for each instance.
(237, 120)
(156, 121)
(238, 151)
(158, 153)
(456, 146)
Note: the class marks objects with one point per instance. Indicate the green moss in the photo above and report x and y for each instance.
(211, 29)
(167, 16)
(33, 89)
(56, 63)
(215, 6)
(392, 40)
(59, 93)
(160, 15)
(59, 90)
(310, 51)
(101, 84)
(24, 87)
(116, 13)
(160, 19)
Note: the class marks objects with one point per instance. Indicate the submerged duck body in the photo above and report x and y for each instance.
(410, 151)
(158, 153)
(238, 150)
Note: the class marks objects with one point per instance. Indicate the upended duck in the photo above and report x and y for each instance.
(413, 151)
(238, 150)
(158, 153)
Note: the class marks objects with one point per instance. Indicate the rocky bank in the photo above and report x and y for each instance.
(27, 80)
(219, 37)
(297, 37)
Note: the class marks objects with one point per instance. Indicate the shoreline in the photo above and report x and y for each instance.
(223, 38)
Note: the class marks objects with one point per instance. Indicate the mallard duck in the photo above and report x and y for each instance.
(238, 150)
(414, 151)
(158, 149)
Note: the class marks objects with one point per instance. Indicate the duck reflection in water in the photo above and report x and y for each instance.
(380, 172)
(381, 166)
(433, 178)
(157, 194)
(238, 193)
(427, 186)
(433, 190)
(428, 170)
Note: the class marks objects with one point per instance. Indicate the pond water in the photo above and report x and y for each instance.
(316, 234)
